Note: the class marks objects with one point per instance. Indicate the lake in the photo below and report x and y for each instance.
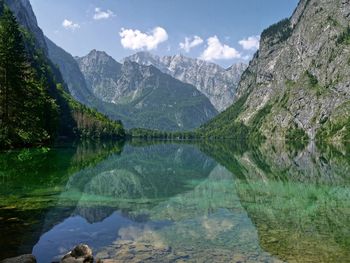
(152, 201)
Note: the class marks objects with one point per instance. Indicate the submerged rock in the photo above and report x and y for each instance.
(80, 254)
(21, 259)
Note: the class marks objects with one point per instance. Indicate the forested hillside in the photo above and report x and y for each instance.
(35, 106)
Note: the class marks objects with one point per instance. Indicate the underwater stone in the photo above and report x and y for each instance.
(21, 259)
(81, 253)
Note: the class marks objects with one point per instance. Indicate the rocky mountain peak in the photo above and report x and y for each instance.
(99, 60)
(99, 56)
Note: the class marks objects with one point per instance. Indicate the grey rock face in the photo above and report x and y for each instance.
(301, 71)
(217, 83)
(101, 73)
(21, 259)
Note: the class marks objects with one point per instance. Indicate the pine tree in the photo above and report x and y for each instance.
(12, 72)
(23, 99)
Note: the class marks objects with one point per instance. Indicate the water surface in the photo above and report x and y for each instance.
(171, 202)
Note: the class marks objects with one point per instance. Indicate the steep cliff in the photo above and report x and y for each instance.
(298, 83)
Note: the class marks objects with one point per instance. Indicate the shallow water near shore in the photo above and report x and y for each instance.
(175, 202)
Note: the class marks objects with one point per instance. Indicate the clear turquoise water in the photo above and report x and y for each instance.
(169, 202)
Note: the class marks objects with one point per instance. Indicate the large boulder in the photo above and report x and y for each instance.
(80, 254)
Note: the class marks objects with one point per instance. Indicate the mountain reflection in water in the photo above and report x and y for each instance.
(166, 202)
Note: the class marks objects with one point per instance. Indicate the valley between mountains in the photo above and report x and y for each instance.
(146, 91)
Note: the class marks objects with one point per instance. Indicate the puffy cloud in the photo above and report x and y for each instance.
(250, 43)
(100, 14)
(216, 50)
(190, 43)
(135, 39)
(68, 24)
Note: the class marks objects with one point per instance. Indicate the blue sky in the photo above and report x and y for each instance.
(222, 31)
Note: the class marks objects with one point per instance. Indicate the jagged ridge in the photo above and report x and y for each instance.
(215, 82)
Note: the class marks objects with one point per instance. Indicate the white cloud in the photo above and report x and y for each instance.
(247, 57)
(68, 24)
(250, 43)
(216, 50)
(190, 43)
(135, 39)
(100, 14)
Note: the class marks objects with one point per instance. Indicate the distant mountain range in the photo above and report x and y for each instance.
(215, 82)
(143, 96)
(170, 93)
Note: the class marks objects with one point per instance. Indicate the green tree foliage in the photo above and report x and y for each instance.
(27, 112)
(344, 37)
(297, 139)
(89, 123)
(278, 32)
(156, 134)
(225, 125)
(313, 81)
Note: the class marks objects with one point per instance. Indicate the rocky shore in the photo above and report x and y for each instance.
(80, 254)
(129, 251)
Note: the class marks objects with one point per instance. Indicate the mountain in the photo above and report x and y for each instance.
(298, 83)
(143, 96)
(215, 82)
(101, 73)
